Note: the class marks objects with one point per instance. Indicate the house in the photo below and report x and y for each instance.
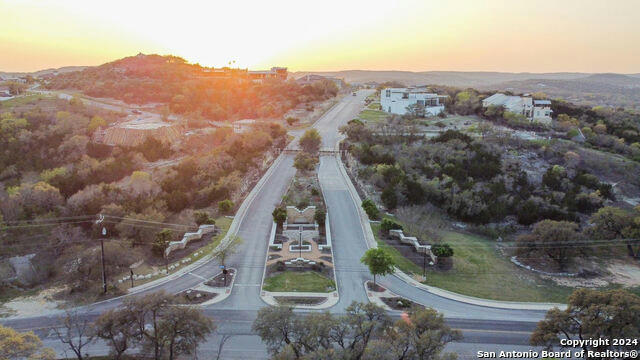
(401, 100)
(534, 110)
(242, 126)
(542, 111)
(275, 73)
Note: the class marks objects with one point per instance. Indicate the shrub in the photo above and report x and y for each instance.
(225, 206)
(279, 215)
(442, 250)
(291, 120)
(202, 217)
(371, 209)
(389, 224)
(320, 216)
(389, 197)
(305, 161)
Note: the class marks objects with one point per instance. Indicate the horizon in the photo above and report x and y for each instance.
(464, 35)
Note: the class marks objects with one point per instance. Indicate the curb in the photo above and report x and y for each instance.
(223, 295)
(371, 243)
(233, 229)
(332, 299)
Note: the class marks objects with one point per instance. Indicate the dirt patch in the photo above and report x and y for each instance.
(220, 280)
(194, 297)
(41, 304)
(399, 303)
(618, 272)
(624, 273)
(376, 288)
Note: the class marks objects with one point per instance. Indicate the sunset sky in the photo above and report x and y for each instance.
(465, 35)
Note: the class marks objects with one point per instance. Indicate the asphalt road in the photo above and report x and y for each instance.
(482, 325)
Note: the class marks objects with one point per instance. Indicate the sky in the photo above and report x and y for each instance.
(328, 35)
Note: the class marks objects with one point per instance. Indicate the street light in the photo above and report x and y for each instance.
(104, 273)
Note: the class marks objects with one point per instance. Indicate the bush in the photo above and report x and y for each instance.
(279, 215)
(320, 216)
(442, 250)
(371, 209)
(225, 206)
(291, 120)
(202, 217)
(389, 224)
(305, 161)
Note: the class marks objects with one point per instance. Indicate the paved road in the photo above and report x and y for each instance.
(234, 314)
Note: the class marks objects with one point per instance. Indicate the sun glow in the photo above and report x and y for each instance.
(329, 35)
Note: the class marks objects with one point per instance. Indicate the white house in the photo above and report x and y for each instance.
(534, 110)
(398, 100)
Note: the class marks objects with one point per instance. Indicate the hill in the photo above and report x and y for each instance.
(191, 89)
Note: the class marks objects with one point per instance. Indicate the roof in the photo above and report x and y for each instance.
(244, 121)
(542, 102)
(499, 99)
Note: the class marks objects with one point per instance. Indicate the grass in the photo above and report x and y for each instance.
(374, 106)
(308, 281)
(480, 271)
(21, 100)
(373, 115)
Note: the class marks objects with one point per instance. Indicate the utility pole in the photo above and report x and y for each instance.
(104, 273)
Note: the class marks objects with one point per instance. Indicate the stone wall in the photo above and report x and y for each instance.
(305, 216)
(410, 240)
(187, 237)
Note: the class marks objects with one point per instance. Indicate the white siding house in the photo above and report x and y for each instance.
(534, 110)
(398, 100)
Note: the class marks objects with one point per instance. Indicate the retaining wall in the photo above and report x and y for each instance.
(175, 245)
(413, 241)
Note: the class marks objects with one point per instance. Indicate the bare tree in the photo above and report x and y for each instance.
(223, 341)
(76, 332)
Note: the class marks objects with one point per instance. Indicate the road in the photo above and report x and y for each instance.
(482, 325)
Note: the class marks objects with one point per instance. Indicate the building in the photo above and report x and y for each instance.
(242, 126)
(401, 100)
(542, 111)
(313, 78)
(275, 73)
(534, 110)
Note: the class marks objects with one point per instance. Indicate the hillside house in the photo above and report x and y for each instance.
(534, 110)
(274, 73)
(402, 100)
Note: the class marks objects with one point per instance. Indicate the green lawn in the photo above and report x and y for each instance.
(308, 281)
(374, 106)
(478, 270)
(373, 115)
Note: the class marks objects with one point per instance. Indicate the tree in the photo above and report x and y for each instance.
(320, 335)
(592, 314)
(96, 122)
(423, 335)
(160, 244)
(559, 240)
(76, 332)
(279, 215)
(225, 206)
(165, 329)
(15, 345)
(16, 88)
(305, 161)
(389, 197)
(319, 217)
(202, 218)
(612, 223)
(379, 262)
(310, 141)
(116, 327)
(223, 252)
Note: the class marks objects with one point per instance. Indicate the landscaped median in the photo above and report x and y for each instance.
(299, 266)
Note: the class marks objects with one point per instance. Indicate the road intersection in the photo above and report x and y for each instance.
(485, 325)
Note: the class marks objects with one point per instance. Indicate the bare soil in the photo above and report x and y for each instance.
(219, 280)
(194, 297)
(399, 303)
